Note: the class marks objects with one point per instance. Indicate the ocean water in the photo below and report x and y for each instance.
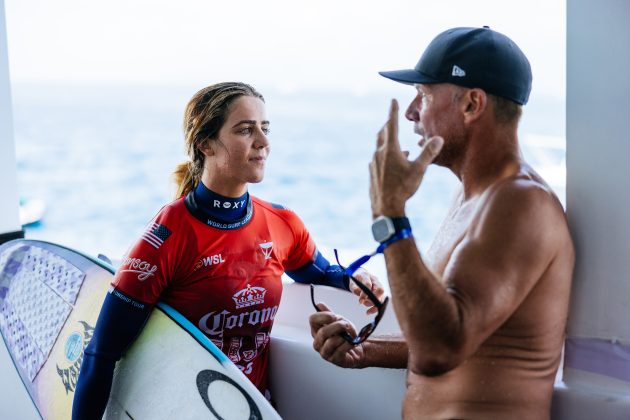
(100, 157)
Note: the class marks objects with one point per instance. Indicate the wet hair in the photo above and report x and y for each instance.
(505, 110)
(204, 116)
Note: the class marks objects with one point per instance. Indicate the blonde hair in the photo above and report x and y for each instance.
(204, 116)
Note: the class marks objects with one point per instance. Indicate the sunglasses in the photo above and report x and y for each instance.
(367, 330)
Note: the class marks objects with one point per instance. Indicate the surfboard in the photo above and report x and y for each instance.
(50, 298)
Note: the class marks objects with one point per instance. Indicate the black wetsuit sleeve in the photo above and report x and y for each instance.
(121, 319)
(320, 271)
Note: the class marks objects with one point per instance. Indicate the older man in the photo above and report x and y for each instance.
(483, 313)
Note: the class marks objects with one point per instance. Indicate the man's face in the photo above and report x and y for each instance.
(435, 112)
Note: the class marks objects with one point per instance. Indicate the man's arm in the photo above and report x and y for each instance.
(489, 274)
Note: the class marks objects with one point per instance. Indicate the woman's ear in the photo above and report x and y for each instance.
(206, 148)
(474, 103)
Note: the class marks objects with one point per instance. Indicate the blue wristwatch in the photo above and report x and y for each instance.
(386, 230)
(384, 227)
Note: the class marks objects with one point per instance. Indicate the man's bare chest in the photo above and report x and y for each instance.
(453, 230)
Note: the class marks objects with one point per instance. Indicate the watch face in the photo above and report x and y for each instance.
(382, 229)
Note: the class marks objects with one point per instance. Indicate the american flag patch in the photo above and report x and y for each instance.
(156, 234)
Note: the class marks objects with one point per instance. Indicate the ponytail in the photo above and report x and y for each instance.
(185, 179)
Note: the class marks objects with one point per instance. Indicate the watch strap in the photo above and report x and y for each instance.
(399, 235)
(400, 223)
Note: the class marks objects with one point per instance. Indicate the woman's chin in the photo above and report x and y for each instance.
(256, 179)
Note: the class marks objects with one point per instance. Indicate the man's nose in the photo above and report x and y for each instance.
(413, 110)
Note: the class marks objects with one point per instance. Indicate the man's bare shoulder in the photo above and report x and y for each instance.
(525, 206)
(527, 195)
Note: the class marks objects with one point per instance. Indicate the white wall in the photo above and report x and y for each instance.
(9, 219)
(598, 166)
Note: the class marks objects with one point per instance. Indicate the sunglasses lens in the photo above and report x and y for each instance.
(368, 329)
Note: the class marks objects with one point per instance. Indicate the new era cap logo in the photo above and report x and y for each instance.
(458, 72)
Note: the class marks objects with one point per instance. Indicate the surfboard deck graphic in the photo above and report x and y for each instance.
(50, 298)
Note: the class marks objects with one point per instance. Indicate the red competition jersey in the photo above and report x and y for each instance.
(225, 280)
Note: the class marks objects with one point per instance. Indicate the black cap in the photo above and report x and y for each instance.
(472, 57)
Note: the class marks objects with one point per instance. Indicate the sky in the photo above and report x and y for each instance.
(329, 45)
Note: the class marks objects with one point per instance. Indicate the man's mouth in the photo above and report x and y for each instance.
(419, 129)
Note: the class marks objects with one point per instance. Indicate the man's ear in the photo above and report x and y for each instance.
(474, 104)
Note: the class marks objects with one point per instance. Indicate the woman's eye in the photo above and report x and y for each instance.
(266, 130)
(246, 130)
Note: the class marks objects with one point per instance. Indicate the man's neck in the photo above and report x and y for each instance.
(488, 160)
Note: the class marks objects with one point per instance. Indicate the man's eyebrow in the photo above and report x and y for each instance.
(264, 122)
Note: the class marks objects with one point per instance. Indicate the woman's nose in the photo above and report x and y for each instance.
(261, 140)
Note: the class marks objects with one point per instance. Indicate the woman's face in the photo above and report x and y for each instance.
(238, 156)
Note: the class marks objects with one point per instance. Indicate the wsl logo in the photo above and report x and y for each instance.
(209, 261)
(73, 351)
(249, 297)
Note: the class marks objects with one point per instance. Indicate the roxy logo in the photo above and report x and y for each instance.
(229, 204)
(136, 265)
(266, 248)
(209, 261)
(249, 297)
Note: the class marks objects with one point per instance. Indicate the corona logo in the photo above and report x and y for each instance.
(249, 297)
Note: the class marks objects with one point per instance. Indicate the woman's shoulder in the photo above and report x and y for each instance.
(267, 204)
(172, 212)
(278, 210)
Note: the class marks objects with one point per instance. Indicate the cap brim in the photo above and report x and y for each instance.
(408, 77)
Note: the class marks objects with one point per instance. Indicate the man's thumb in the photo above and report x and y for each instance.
(429, 152)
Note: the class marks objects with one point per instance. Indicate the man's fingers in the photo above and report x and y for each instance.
(429, 152)
(320, 319)
(388, 136)
(381, 136)
(332, 332)
(392, 126)
(334, 349)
